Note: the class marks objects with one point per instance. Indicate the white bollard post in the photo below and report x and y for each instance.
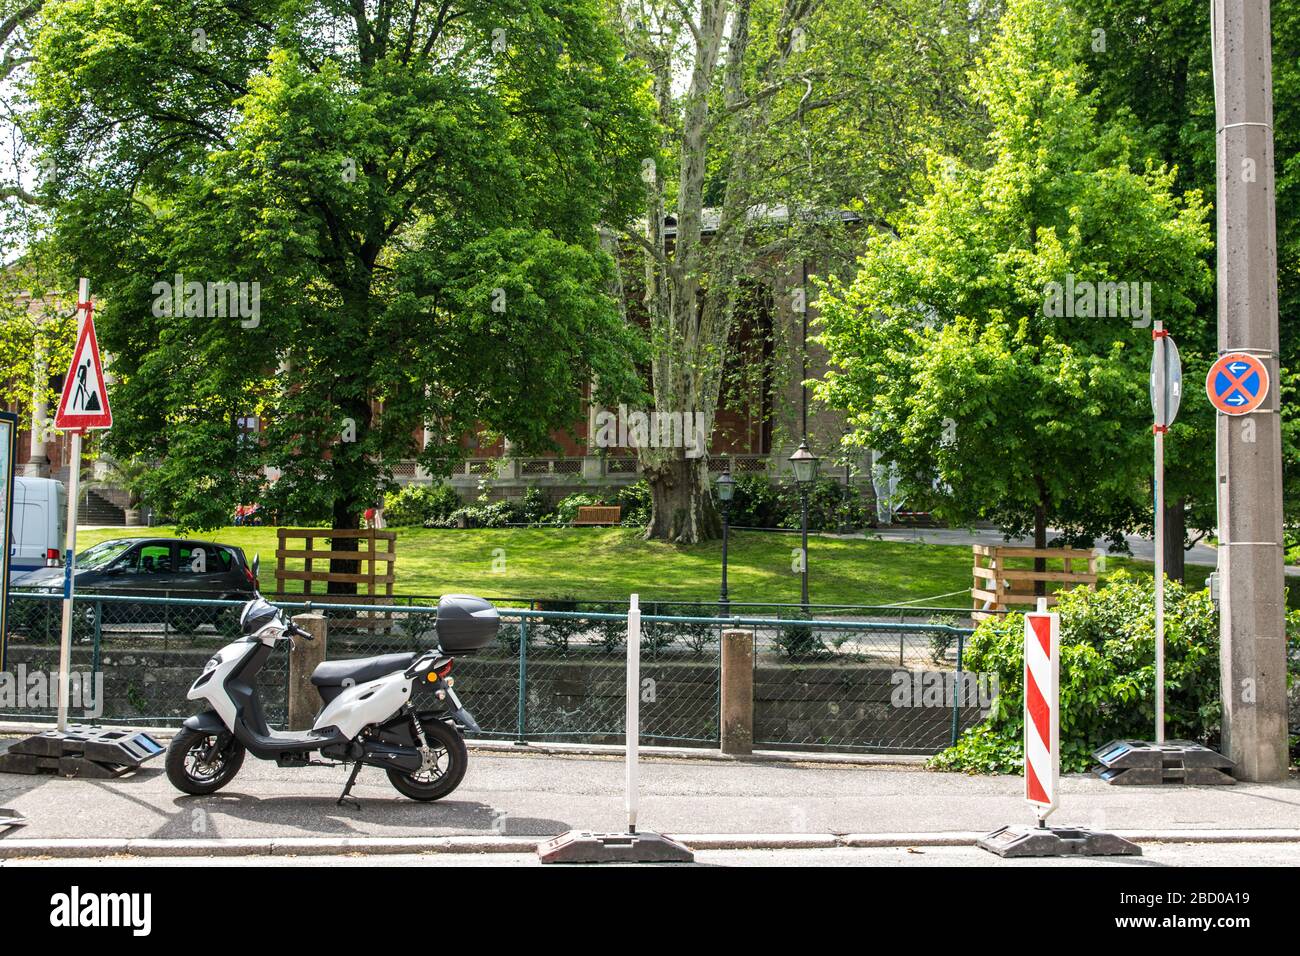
(581, 846)
(633, 720)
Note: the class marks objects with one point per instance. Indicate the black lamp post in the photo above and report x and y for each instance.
(804, 463)
(726, 490)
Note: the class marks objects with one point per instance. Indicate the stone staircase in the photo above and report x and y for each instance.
(97, 509)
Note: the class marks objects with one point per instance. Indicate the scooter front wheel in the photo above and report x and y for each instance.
(450, 759)
(200, 764)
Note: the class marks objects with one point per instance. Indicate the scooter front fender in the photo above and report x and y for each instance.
(208, 722)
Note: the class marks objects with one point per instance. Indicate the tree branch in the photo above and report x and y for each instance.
(645, 244)
(22, 195)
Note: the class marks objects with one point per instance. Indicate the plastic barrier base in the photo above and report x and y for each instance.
(1024, 840)
(579, 846)
(1128, 763)
(97, 753)
(10, 818)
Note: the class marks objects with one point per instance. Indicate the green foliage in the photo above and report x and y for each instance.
(566, 510)
(799, 641)
(483, 514)
(635, 501)
(418, 207)
(532, 507)
(1107, 688)
(762, 503)
(945, 348)
(420, 506)
(42, 325)
(756, 503)
(1156, 65)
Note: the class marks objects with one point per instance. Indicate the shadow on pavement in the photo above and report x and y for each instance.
(197, 817)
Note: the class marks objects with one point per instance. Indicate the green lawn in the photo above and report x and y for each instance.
(593, 563)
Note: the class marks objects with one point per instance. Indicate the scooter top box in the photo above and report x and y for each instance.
(466, 623)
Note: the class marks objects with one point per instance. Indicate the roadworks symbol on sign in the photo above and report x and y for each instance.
(84, 402)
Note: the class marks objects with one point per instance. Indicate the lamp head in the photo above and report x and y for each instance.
(804, 463)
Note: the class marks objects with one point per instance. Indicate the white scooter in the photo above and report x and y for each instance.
(367, 716)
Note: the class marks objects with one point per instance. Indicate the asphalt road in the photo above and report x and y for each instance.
(1154, 856)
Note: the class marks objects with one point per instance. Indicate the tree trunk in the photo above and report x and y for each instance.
(1040, 541)
(353, 494)
(347, 514)
(683, 511)
(1175, 535)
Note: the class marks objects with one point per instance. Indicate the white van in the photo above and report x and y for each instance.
(40, 518)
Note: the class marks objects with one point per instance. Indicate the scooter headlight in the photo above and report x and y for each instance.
(212, 664)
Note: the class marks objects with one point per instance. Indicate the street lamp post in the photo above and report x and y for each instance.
(804, 463)
(726, 491)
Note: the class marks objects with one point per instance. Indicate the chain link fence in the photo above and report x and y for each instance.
(133, 658)
(884, 688)
(556, 671)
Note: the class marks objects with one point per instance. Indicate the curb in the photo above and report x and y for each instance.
(337, 846)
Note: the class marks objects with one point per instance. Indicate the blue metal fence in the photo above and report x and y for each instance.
(825, 683)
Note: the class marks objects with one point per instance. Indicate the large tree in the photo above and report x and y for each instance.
(414, 185)
(776, 114)
(1152, 58)
(954, 351)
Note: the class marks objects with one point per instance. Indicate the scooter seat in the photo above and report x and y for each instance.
(359, 670)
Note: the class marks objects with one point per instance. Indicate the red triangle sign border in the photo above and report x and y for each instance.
(80, 421)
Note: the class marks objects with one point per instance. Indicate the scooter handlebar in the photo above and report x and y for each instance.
(293, 630)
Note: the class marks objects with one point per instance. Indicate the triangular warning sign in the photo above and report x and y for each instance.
(84, 403)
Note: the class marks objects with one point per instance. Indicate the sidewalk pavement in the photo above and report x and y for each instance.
(509, 800)
(1143, 548)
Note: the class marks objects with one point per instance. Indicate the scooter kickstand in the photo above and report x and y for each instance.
(344, 798)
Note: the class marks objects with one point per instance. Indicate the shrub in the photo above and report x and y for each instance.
(756, 503)
(1107, 675)
(532, 507)
(760, 503)
(636, 503)
(420, 506)
(798, 640)
(829, 508)
(484, 514)
(566, 512)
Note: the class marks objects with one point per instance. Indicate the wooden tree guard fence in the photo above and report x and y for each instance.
(1005, 576)
(374, 551)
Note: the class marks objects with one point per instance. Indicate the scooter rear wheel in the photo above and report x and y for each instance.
(450, 757)
(200, 764)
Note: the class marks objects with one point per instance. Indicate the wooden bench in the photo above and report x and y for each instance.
(598, 514)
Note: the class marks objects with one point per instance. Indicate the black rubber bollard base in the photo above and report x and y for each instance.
(1130, 763)
(581, 846)
(1025, 841)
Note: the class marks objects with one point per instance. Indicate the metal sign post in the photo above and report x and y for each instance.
(1166, 395)
(69, 568)
(83, 405)
(1173, 762)
(8, 447)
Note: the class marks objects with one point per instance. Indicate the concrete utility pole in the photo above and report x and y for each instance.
(1249, 457)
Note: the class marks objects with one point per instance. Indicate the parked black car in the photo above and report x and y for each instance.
(155, 567)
